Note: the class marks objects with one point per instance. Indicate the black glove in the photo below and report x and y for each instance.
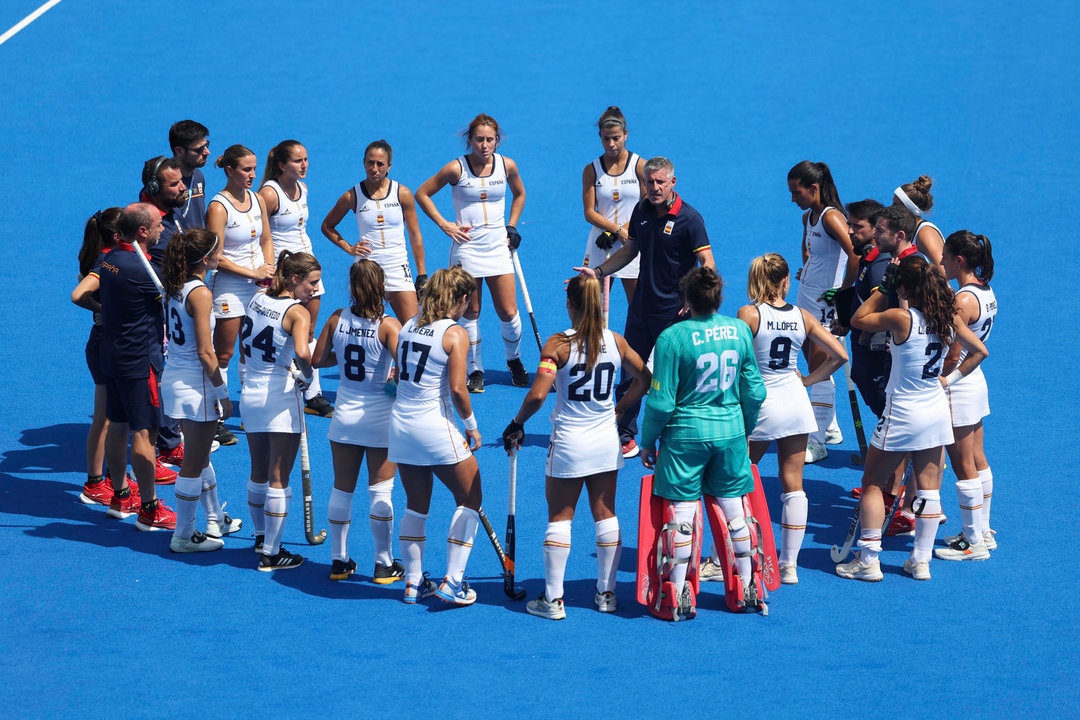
(891, 279)
(511, 435)
(513, 237)
(863, 250)
(606, 240)
(421, 281)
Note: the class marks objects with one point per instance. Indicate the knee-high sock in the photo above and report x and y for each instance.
(608, 551)
(927, 516)
(556, 551)
(740, 535)
(472, 327)
(315, 388)
(792, 526)
(511, 335)
(969, 493)
(339, 516)
(241, 370)
(381, 520)
(459, 541)
(210, 503)
(256, 493)
(823, 399)
(683, 545)
(413, 538)
(187, 491)
(869, 545)
(987, 479)
(276, 510)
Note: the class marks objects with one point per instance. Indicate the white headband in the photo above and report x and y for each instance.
(900, 195)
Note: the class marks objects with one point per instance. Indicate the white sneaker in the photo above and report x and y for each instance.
(989, 541)
(833, 436)
(789, 575)
(856, 570)
(916, 569)
(196, 543)
(961, 549)
(709, 571)
(815, 451)
(605, 601)
(225, 526)
(550, 609)
(214, 446)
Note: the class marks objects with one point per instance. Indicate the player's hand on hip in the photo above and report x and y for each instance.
(648, 457)
(457, 233)
(360, 249)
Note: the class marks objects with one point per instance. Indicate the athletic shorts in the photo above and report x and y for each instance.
(93, 355)
(685, 470)
(232, 293)
(133, 401)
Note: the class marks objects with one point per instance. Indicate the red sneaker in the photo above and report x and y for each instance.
(173, 457)
(630, 449)
(157, 516)
(856, 492)
(901, 525)
(99, 493)
(121, 508)
(163, 475)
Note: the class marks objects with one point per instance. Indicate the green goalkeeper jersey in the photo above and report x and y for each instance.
(706, 384)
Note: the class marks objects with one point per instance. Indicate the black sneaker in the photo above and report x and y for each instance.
(342, 569)
(475, 383)
(384, 575)
(259, 543)
(518, 376)
(284, 560)
(225, 435)
(320, 406)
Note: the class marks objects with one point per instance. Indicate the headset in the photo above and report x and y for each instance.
(151, 184)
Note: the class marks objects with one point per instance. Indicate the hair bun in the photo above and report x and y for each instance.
(220, 162)
(924, 183)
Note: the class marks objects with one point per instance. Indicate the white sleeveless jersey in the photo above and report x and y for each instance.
(183, 347)
(267, 347)
(586, 397)
(616, 195)
(423, 383)
(381, 224)
(916, 362)
(243, 231)
(984, 322)
(780, 335)
(826, 261)
(288, 226)
(480, 202)
(920, 226)
(363, 362)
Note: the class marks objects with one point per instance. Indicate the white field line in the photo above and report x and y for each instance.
(27, 20)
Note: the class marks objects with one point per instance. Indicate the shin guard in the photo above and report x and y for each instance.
(757, 516)
(657, 528)
(735, 593)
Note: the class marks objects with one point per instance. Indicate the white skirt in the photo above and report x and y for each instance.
(576, 451)
(969, 400)
(362, 420)
(785, 412)
(269, 403)
(485, 255)
(186, 394)
(594, 256)
(232, 293)
(914, 421)
(395, 266)
(820, 310)
(426, 438)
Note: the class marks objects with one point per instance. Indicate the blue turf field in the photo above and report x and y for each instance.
(99, 618)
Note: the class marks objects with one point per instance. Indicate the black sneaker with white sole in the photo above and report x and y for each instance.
(259, 543)
(518, 375)
(475, 383)
(284, 560)
(320, 406)
(225, 435)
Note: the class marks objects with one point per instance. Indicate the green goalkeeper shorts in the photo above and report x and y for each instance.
(686, 470)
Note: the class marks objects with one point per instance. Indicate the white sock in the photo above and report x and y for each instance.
(740, 535)
(556, 551)
(685, 513)
(927, 516)
(987, 479)
(315, 388)
(472, 327)
(413, 538)
(869, 545)
(823, 400)
(381, 520)
(188, 490)
(256, 493)
(608, 552)
(970, 496)
(459, 541)
(792, 526)
(339, 516)
(276, 510)
(511, 335)
(210, 503)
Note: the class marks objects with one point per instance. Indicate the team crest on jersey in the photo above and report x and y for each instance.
(615, 194)
(224, 307)
(379, 218)
(483, 194)
(253, 232)
(669, 227)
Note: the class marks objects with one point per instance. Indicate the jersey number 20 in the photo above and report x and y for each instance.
(602, 376)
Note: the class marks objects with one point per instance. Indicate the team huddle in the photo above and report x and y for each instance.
(177, 283)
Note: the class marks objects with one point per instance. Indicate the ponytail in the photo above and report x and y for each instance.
(185, 252)
(583, 294)
(611, 118)
(766, 279)
(928, 291)
(288, 264)
(443, 292)
(367, 284)
(98, 235)
(976, 251)
(280, 153)
(703, 289)
(808, 173)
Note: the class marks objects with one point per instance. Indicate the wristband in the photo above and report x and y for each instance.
(221, 392)
(953, 377)
(598, 271)
(470, 423)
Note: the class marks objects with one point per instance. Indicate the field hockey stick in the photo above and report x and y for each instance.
(856, 414)
(607, 291)
(511, 507)
(149, 268)
(838, 554)
(525, 295)
(895, 507)
(305, 475)
(507, 563)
